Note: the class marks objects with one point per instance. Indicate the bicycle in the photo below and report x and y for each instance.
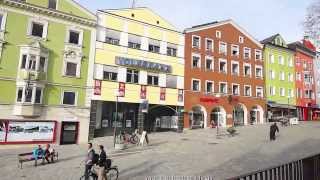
(111, 173)
(130, 138)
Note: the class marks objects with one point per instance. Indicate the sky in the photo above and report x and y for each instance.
(261, 18)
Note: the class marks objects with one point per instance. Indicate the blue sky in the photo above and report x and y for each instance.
(261, 18)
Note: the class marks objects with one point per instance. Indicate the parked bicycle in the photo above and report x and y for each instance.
(111, 173)
(130, 138)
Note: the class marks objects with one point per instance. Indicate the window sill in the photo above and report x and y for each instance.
(72, 44)
(68, 76)
(37, 38)
(68, 105)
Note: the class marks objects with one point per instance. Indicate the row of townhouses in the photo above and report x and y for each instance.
(67, 75)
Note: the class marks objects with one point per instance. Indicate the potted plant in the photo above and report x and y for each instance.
(119, 143)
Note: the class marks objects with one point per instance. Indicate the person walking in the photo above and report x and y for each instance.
(102, 163)
(89, 161)
(49, 153)
(273, 129)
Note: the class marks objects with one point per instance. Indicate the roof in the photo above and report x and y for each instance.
(300, 46)
(269, 39)
(220, 23)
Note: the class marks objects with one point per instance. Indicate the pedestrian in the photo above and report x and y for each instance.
(37, 153)
(273, 129)
(89, 161)
(101, 165)
(49, 153)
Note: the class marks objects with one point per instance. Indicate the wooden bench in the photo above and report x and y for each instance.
(26, 157)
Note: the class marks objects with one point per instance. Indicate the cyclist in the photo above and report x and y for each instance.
(100, 167)
(89, 161)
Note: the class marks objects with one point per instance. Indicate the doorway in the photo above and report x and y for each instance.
(69, 132)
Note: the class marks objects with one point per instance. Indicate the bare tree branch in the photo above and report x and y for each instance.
(312, 22)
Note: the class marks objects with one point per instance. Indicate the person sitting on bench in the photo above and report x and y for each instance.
(38, 153)
(49, 153)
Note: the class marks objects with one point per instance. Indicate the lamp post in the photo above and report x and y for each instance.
(115, 120)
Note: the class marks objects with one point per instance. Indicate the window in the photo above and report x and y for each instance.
(247, 70)
(42, 64)
(247, 53)
(154, 48)
(272, 90)
(241, 39)
(29, 62)
(32, 62)
(282, 76)
(69, 98)
(298, 76)
(223, 88)
(235, 68)
(281, 60)
(3, 17)
(290, 62)
(74, 37)
(112, 37)
(32, 94)
(209, 87)
(304, 65)
(235, 50)
(209, 63)
(258, 54)
(290, 93)
(290, 77)
(171, 81)
(209, 44)
(19, 94)
(236, 89)
(223, 48)
(196, 85)
(272, 74)
(171, 52)
(222, 66)
(28, 95)
(196, 42)
(37, 29)
(153, 79)
(247, 90)
(259, 72)
(196, 61)
(218, 34)
(24, 61)
(71, 69)
(259, 92)
(271, 58)
(132, 76)
(282, 92)
(134, 41)
(308, 94)
(38, 95)
(110, 73)
(52, 4)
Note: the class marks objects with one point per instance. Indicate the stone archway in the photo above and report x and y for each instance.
(257, 115)
(218, 115)
(198, 118)
(239, 115)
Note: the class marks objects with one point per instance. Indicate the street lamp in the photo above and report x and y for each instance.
(116, 119)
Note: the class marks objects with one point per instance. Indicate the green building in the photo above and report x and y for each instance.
(46, 65)
(280, 77)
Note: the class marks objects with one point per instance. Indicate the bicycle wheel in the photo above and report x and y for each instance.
(89, 178)
(112, 174)
(134, 139)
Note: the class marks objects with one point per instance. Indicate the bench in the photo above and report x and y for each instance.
(26, 157)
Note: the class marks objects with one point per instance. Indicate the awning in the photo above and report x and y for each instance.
(283, 106)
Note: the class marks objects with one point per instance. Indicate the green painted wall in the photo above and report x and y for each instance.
(55, 43)
(277, 68)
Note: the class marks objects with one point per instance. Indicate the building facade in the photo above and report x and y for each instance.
(139, 72)
(224, 79)
(305, 86)
(280, 77)
(47, 49)
(316, 68)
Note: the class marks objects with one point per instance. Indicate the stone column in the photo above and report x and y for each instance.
(141, 117)
(92, 122)
(180, 119)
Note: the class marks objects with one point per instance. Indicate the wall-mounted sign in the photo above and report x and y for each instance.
(145, 106)
(122, 89)
(162, 94)
(180, 95)
(97, 87)
(128, 123)
(143, 92)
(209, 100)
(122, 61)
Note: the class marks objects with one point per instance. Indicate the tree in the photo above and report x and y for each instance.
(312, 22)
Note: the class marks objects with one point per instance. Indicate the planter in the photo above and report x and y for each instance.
(119, 146)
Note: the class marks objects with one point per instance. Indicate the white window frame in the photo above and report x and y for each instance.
(33, 96)
(192, 85)
(74, 29)
(298, 76)
(78, 73)
(220, 52)
(272, 74)
(282, 60)
(218, 34)
(212, 48)
(226, 87)
(241, 39)
(259, 87)
(75, 101)
(257, 51)
(207, 81)
(193, 46)
(244, 90)
(237, 63)
(212, 64)
(235, 84)
(244, 52)
(261, 68)
(271, 58)
(226, 63)
(281, 89)
(237, 47)
(199, 63)
(290, 77)
(282, 76)
(272, 91)
(4, 20)
(38, 21)
(290, 62)
(290, 93)
(244, 70)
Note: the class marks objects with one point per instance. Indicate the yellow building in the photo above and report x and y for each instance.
(139, 61)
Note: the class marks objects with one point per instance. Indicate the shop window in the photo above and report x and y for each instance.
(153, 79)
(132, 76)
(69, 98)
(196, 42)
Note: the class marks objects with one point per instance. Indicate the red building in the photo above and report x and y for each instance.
(305, 85)
(224, 79)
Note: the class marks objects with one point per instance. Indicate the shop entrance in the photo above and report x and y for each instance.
(161, 118)
(69, 132)
(239, 115)
(197, 118)
(218, 116)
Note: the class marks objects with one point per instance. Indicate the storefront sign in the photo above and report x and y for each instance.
(162, 94)
(128, 123)
(122, 89)
(97, 87)
(105, 123)
(30, 131)
(145, 106)
(209, 100)
(122, 61)
(180, 95)
(143, 92)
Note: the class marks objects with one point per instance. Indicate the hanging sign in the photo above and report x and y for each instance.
(97, 87)
(180, 95)
(143, 92)
(122, 89)
(162, 94)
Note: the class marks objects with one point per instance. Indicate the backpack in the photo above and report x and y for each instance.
(95, 158)
(108, 163)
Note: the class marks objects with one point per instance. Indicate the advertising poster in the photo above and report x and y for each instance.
(122, 89)
(180, 95)
(30, 131)
(3, 130)
(143, 92)
(97, 87)
(162, 94)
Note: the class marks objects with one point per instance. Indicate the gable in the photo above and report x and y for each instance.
(279, 41)
(144, 15)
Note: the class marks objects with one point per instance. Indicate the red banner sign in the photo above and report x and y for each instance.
(122, 89)
(162, 94)
(209, 100)
(143, 92)
(180, 95)
(97, 87)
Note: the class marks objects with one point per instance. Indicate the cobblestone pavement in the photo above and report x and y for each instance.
(191, 153)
